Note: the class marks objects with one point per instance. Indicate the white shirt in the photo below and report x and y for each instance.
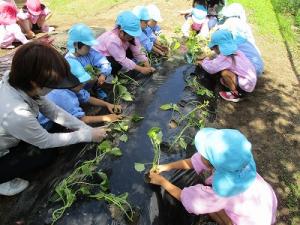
(18, 121)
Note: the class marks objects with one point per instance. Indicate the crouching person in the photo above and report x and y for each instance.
(237, 72)
(25, 146)
(70, 100)
(121, 46)
(236, 193)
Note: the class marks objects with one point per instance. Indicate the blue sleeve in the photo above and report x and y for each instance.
(146, 42)
(43, 120)
(78, 70)
(66, 100)
(157, 30)
(83, 96)
(100, 61)
(150, 34)
(252, 54)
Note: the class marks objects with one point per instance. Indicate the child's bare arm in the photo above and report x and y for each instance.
(184, 164)
(102, 118)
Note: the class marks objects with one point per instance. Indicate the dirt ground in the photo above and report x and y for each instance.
(270, 117)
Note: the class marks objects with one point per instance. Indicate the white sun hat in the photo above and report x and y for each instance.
(154, 12)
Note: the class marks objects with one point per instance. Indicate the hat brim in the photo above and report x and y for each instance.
(68, 82)
(91, 42)
(199, 21)
(228, 48)
(35, 13)
(134, 33)
(201, 138)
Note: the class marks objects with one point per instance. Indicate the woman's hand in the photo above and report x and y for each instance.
(99, 133)
(101, 79)
(111, 118)
(155, 178)
(114, 108)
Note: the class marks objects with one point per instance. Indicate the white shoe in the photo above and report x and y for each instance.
(13, 187)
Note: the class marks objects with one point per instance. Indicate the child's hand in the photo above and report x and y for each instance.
(114, 108)
(101, 79)
(155, 178)
(160, 168)
(111, 118)
(147, 70)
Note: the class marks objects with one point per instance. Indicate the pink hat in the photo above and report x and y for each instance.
(34, 7)
(8, 13)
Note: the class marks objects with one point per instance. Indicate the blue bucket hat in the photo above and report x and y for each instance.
(80, 33)
(229, 152)
(223, 39)
(141, 12)
(129, 23)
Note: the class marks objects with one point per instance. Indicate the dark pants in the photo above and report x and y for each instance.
(24, 159)
(116, 66)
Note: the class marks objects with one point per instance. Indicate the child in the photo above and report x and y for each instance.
(32, 17)
(147, 37)
(9, 30)
(155, 17)
(234, 10)
(213, 7)
(196, 19)
(121, 45)
(70, 100)
(237, 72)
(80, 41)
(237, 194)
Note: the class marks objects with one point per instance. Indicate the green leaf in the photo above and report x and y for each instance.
(126, 97)
(124, 138)
(166, 106)
(115, 151)
(104, 146)
(169, 106)
(136, 118)
(105, 183)
(124, 125)
(182, 143)
(155, 135)
(84, 190)
(139, 167)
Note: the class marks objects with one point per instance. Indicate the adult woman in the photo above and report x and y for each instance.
(36, 69)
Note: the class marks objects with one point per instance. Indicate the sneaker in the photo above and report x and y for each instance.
(230, 96)
(13, 187)
(101, 94)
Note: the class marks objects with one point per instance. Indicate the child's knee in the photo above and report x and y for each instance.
(228, 73)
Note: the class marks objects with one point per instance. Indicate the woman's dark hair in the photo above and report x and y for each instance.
(38, 62)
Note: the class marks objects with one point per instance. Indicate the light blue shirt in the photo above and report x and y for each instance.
(253, 55)
(94, 58)
(146, 41)
(67, 100)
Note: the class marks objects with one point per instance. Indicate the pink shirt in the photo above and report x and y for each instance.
(242, 67)
(256, 206)
(10, 34)
(111, 45)
(33, 19)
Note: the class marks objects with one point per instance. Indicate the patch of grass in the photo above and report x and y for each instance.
(261, 13)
